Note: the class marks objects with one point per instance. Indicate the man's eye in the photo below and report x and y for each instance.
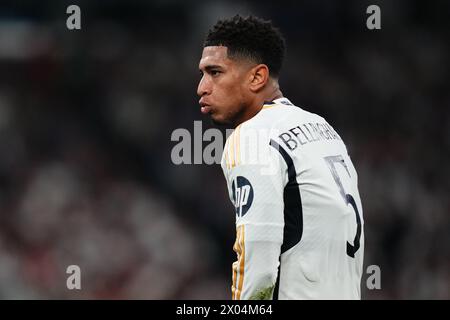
(215, 72)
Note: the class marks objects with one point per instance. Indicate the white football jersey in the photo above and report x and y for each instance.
(299, 219)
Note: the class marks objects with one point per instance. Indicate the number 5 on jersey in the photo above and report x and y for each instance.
(348, 199)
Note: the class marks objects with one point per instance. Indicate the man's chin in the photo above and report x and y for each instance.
(217, 121)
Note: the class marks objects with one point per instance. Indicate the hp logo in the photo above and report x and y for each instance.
(242, 195)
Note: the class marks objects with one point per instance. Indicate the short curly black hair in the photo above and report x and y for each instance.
(250, 37)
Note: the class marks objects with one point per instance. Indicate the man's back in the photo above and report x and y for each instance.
(295, 191)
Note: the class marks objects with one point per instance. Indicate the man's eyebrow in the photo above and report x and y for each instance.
(211, 67)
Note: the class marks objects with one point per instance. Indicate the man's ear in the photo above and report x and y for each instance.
(259, 75)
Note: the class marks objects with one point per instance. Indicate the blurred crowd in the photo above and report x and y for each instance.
(86, 119)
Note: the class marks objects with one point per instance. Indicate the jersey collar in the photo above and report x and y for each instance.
(281, 100)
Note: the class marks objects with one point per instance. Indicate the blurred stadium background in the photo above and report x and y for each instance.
(86, 118)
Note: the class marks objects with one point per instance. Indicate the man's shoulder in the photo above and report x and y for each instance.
(278, 116)
(277, 119)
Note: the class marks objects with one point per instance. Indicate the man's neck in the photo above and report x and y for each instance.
(258, 103)
(276, 95)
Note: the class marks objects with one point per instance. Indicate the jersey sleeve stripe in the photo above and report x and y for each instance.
(234, 148)
(232, 151)
(236, 263)
(238, 145)
(238, 266)
(235, 266)
(227, 155)
(242, 263)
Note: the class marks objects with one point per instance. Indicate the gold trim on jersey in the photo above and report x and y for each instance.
(233, 149)
(235, 267)
(233, 146)
(239, 265)
(238, 145)
(227, 154)
(268, 106)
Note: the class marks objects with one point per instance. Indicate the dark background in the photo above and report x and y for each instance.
(86, 119)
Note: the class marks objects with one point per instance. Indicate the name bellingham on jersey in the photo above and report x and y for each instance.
(299, 218)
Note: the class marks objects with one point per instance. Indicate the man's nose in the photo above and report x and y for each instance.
(203, 87)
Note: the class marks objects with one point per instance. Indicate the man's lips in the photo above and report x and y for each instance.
(206, 109)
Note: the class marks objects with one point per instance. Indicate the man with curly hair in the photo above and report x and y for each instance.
(299, 223)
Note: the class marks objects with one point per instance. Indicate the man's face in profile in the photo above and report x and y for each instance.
(223, 87)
